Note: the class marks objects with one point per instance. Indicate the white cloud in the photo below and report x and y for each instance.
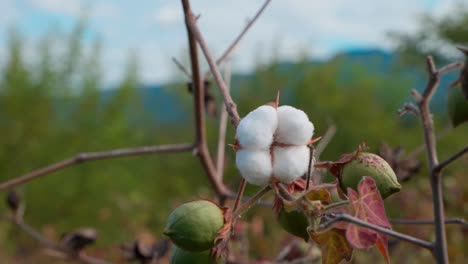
(168, 15)
(156, 30)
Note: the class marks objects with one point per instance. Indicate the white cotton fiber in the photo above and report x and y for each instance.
(254, 165)
(256, 129)
(290, 163)
(294, 126)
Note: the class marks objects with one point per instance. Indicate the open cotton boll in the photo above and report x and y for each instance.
(254, 165)
(290, 163)
(257, 128)
(294, 126)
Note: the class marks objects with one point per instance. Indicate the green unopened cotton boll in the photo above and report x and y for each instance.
(180, 256)
(457, 106)
(193, 226)
(368, 164)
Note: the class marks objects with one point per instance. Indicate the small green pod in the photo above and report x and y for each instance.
(193, 226)
(368, 164)
(180, 256)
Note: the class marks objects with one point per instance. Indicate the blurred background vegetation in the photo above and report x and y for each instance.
(56, 107)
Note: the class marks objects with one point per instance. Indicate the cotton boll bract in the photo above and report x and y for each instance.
(256, 129)
(254, 165)
(294, 126)
(290, 163)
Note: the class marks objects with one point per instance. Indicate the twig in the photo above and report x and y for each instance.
(240, 193)
(453, 158)
(408, 108)
(440, 245)
(325, 140)
(231, 107)
(336, 204)
(88, 156)
(81, 256)
(182, 68)
(236, 41)
(222, 127)
(199, 97)
(245, 206)
(339, 216)
(453, 221)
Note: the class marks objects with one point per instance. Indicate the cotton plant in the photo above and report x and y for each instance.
(272, 144)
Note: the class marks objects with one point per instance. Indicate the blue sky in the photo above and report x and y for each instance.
(155, 30)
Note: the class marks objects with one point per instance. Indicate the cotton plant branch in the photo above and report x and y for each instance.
(199, 108)
(451, 221)
(423, 100)
(80, 256)
(89, 156)
(195, 34)
(451, 159)
(325, 140)
(221, 149)
(334, 217)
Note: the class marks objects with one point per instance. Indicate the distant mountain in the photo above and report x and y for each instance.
(166, 105)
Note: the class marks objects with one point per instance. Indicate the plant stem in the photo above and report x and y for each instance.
(337, 204)
(338, 216)
(199, 108)
(245, 206)
(89, 156)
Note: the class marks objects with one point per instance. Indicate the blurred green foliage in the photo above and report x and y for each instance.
(55, 107)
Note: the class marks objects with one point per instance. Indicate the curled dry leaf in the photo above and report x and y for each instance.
(368, 206)
(334, 245)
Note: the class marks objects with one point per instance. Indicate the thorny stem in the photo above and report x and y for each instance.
(440, 245)
(245, 206)
(339, 216)
(453, 221)
(199, 97)
(194, 33)
(89, 156)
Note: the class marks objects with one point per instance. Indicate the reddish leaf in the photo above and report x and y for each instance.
(334, 246)
(368, 206)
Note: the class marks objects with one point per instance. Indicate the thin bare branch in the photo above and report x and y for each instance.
(223, 127)
(326, 139)
(453, 158)
(339, 216)
(450, 67)
(452, 221)
(199, 107)
(408, 108)
(440, 245)
(89, 156)
(236, 41)
(231, 107)
(240, 194)
(246, 206)
(182, 68)
(81, 256)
